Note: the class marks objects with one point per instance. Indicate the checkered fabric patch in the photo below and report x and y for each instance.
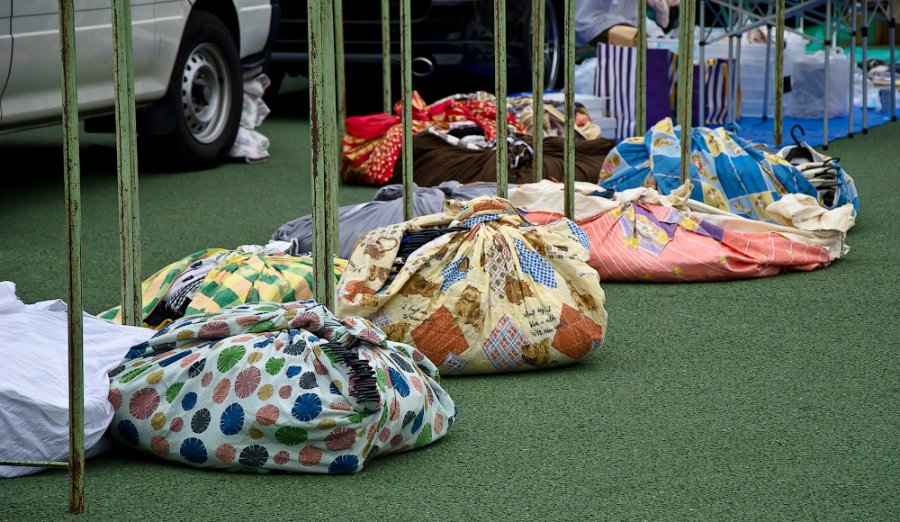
(499, 265)
(472, 221)
(381, 319)
(453, 363)
(452, 274)
(579, 234)
(535, 266)
(504, 346)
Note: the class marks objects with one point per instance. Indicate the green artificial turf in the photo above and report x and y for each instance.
(771, 399)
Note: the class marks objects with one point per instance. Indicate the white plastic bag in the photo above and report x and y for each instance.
(808, 86)
(585, 72)
(874, 102)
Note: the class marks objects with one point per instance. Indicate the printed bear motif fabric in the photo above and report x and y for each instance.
(500, 295)
(727, 171)
(276, 387)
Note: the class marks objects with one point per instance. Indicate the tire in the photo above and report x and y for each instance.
(205, 95)
(553, 46)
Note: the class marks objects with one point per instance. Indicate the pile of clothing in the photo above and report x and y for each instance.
(439, 157)
(386, 209)
(460, 144)
(372, 143)
(554, 119)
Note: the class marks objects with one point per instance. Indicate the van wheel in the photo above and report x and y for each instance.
(205, 94)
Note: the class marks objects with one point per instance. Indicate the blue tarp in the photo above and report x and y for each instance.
(759, 131)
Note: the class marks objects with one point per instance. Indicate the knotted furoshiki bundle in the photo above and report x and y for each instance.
(638, 235)
(214, 278)
(727, 171)
(270, 386)
(478, 290)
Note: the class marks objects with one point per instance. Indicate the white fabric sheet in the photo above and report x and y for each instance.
(34, 397)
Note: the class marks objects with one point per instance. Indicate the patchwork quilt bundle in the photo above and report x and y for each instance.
(484, 292)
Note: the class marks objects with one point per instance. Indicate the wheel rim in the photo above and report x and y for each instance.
(205, 93)
(551, 47)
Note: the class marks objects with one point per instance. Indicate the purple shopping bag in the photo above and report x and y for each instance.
(616, 81)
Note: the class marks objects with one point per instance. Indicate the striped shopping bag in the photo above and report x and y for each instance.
(716, 88)
(616, 81)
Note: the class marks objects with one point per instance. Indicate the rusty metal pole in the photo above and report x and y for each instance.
(387, 101)
(892, 44)
(864, 33)
(323, 145)
(406, 90)
(127, 164)
(502, 155)
(701, 51)
(685, 82)
(779, 72)
(339, 74)
(569, 136)
(73, 240)
(538, 13)
(340, 128)
(640, 101)
(75, 325)
(852, 60)
(827, 83)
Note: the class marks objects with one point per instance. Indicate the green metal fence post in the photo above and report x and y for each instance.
(538, 11)
(323, 145)
(640, 106)
(339, 70)
(406, 90)
(127, 164)
(500, 94)
(75, 325)
(73, 241)
(569, 135)
(387, 101)
(685, 81)
(341, 105)
(779, 72)
(852, 60)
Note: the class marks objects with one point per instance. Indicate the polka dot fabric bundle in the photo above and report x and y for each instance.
(272, 386)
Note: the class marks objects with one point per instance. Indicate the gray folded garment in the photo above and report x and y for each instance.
(386, 209)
